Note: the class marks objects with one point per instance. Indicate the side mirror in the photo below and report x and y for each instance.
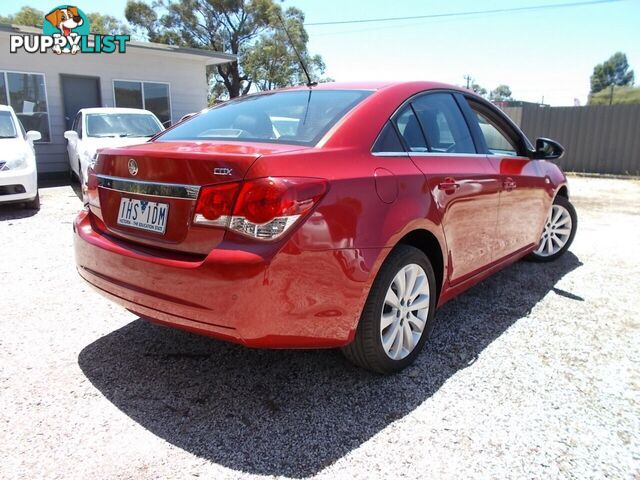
(71, 135)
(547, 149)
(33, 136)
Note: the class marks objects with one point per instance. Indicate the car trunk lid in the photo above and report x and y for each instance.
(158, 183)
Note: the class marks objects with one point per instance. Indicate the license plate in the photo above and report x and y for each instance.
(150, 216)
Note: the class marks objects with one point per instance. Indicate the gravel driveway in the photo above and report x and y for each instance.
(533, 373)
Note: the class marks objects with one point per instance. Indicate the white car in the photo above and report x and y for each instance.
(96, 128)
(18, 172)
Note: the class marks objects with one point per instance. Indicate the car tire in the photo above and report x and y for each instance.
(33, 204)
(372, 347)
(559, 232)
(80, 179)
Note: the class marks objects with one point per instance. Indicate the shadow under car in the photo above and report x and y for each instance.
(294, 413)
(15, 211)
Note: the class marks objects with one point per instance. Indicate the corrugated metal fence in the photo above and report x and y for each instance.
(597, 139)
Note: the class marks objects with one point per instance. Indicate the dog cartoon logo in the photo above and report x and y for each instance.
(65, 29)
(66, 24)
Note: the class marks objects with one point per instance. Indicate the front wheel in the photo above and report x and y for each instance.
(398, 314)
(559, 231)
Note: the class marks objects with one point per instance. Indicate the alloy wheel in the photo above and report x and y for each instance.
(556, 232)
(405, 311)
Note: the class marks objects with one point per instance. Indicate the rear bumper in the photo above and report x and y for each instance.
(25, 177)
(292, 299)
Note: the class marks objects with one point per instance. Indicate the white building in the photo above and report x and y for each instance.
(46, 90)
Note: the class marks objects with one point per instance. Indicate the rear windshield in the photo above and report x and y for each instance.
(122, 125)
(7, 127)
(298, 117)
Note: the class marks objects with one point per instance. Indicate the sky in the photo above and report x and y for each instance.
(545, 54)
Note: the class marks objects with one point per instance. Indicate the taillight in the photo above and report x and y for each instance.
(215, 204)
(265, 208)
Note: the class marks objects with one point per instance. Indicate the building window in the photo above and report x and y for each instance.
(156, 99)
(26, 93)
(152, 96)
(3, 90)
(128, 94)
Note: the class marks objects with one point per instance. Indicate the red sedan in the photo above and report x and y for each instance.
(340, 215)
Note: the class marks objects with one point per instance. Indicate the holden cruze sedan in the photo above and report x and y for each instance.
(340, 215)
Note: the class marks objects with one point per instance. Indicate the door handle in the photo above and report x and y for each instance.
(449, 185)
(509, 184)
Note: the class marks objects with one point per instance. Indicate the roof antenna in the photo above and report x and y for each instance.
(310, 83)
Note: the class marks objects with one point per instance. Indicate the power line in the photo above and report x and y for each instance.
(467, 13)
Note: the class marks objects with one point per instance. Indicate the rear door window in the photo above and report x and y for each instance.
(443, 124)
(410, 129)
(388, 141)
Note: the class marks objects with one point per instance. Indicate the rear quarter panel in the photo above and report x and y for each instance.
(352, 214)
(352, 220)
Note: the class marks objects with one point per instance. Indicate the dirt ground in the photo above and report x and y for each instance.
(533, 373)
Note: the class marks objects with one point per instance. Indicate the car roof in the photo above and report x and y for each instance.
(405, 89)
(420, 85)
(114, 110)
(5, 108)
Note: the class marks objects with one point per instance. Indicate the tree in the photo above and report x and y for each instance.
(102, 24)
(106, 24)
(615, 71)
(502, 93)
(249, 29)
(28, 16)
(272, 62)
(478, 89)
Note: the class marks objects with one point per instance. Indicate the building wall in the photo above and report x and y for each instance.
(186, 77)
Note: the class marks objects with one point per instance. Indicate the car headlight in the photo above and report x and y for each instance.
(16, 162)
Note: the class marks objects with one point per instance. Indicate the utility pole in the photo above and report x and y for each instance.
(468, 78)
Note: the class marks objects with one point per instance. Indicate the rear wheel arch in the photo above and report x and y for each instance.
(428, 243)
(397, 317)
(425, 241)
